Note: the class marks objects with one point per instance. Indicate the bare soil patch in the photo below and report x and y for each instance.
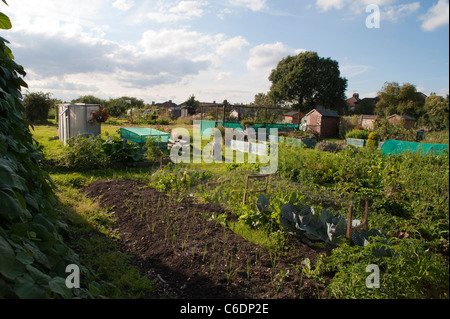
(191, 256)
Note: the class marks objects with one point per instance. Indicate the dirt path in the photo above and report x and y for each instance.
(191, 256)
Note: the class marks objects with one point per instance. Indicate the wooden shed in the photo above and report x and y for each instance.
(323, 121)
(407, 121)
(368, 121)
(293, 117)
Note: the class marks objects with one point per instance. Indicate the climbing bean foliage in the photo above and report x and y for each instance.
(33, 253)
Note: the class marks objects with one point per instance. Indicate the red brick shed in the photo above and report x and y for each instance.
(325, 122)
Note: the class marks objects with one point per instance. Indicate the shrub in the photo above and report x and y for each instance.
(153, 152)
(84, 153)
(373, 140)
(361, 134)
(37, 106)
(247, 122)
(388, 131)
(119, 151)
(328, 146)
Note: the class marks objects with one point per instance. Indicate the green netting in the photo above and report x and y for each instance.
(206, 126)
(393, 147)
(141, 134)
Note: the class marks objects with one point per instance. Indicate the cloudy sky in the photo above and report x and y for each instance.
(168, 50)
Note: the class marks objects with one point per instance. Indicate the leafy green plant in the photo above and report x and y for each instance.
(373, 140)
(152, 150)
(84, 153)
(356, 133)
(33, 253)
(119, 151)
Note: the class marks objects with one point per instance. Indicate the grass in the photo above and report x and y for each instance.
(91, 236)
(408, 193)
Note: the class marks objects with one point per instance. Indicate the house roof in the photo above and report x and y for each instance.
(291, 113)
(370, 117)
(406, 117)
(325, 112)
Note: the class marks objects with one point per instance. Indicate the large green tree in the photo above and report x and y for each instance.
(307, 81)
(437, 111)
(396, 99)
(37, 105)
(90, 99)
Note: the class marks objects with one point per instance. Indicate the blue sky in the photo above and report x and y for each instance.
(168, 50)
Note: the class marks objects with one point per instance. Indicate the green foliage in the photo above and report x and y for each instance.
(308, 80)
(412, 273)
(177, 180)
(37, 106)
(361, 134)
(119, 151)
(328, 146)
(373, 140)
(192, 104)
(152, 151)
(247, 122)
(396, 99)
(90, 99)
(437, 112)
(33, 253)
(388, 131)
(84, 153)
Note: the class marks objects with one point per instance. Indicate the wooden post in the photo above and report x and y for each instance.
(245, 191)
(366, 215)
(349, 224)
(223, 116)
(255, 191)
(364, 225)
(217, 113)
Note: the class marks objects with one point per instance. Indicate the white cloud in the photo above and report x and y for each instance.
(123, 4)
(357, 6)
(266, 56)
(223, 76)
(175, 42)
(350, 70)
(182, 10)
(394, 13)
(437, 16)
(231, 46)
(254, 5)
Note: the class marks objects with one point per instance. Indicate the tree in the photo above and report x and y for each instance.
(262, 99)
(89, 99)
(437, 111)
(308, 81)
(37, 106)
(118, 107)
(396, 99)
(192, 104)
